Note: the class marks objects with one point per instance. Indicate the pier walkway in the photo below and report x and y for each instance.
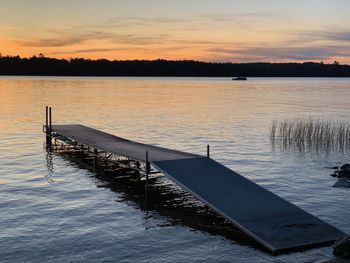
(272, 221)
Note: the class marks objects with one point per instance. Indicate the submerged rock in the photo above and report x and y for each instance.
(341, 247)
(343, 182)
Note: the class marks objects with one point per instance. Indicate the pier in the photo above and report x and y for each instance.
(275, 223)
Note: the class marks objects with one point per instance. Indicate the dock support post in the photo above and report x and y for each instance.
(208, 150)
(95, 159)
(147, 169)
(138, 171)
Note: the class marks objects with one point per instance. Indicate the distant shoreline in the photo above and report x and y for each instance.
(213, 77)
(78, 67)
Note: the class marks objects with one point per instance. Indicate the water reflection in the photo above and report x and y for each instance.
(162, 197)
(49, 166)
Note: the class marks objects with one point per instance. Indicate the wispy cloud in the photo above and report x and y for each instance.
(89, 50)
(148, 49)
(245, 16)
(302, 45)
(280, 53)
(123, 22)
(178, 22)
(145, 21)
(50, 42)
(64, 38)
(112, 30)
(330, 35)
(73, 37)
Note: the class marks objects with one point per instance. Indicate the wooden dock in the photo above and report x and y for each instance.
(272, 221)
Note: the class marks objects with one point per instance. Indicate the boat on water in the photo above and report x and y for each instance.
(239, 78)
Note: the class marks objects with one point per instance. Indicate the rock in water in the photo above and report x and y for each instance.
(343, 182)
(345, 167)
(344, 173)
(341, 247)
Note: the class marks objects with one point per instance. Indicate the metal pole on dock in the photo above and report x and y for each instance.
(208, 150)
(50, 127)
(47, 126)
(147, 169)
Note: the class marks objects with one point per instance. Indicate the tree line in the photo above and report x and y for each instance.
(45, 66)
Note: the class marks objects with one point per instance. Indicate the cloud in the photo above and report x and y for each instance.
(302, 45)
(130, 21)
(189, 23)
(306, 37)
(137, 39)
(89, 50)
(282, 53)
(50, 42)
(64, 38)
(148, 49)
(243, 20)
(331, 35)
(106, 30)
(73, 37)
(245, 17)
(145, 21)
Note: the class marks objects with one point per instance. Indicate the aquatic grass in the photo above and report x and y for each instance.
(307, 134)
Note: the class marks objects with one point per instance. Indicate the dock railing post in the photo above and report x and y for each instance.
(147, 170)
(47, 126)
(208, 150)
(50, 127)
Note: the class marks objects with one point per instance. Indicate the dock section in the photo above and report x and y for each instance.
(117, 145)
(272, 221)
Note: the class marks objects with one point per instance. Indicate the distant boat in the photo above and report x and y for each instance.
(239, 78)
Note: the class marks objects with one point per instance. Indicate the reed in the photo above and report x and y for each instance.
(306, 134)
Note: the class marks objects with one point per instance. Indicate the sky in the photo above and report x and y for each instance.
(206, 30)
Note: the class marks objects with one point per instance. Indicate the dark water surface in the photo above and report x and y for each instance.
(52, 209)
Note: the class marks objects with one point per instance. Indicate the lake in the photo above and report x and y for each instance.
(56, 210)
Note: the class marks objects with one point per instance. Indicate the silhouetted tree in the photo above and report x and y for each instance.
(41, 65)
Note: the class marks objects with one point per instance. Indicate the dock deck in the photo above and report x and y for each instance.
(113, 144)
(272, 221)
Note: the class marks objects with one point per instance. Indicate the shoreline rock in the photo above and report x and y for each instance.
(343, 175)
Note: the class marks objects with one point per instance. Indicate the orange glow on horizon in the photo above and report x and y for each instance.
(227, 31)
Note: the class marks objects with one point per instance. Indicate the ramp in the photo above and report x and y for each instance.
(269, 219)
(274, 222)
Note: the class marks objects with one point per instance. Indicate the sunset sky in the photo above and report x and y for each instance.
(208, 30)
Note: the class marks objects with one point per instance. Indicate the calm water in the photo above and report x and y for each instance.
(54, 210)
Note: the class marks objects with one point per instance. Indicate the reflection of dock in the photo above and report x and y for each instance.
(272, 221)
(175, 206)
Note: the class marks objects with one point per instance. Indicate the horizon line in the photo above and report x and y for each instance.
(42, 56)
